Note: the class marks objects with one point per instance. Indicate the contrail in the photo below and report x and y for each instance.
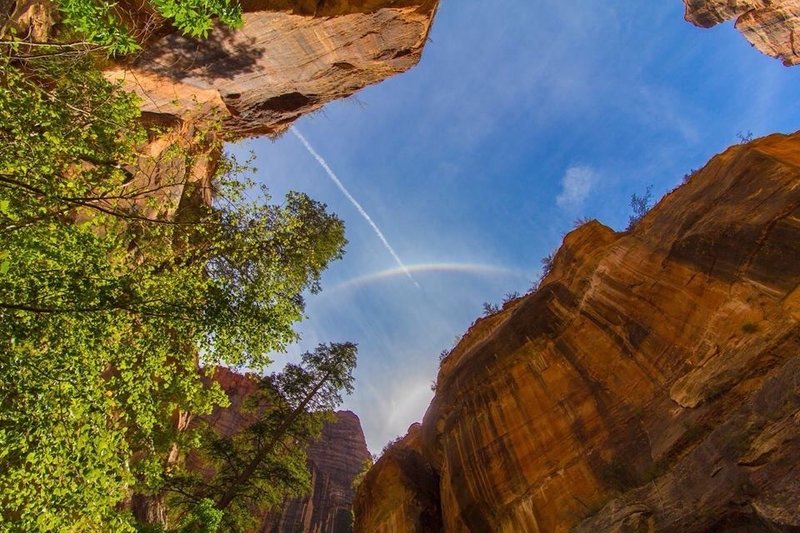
(355, 203)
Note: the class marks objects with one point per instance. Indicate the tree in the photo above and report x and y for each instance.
(111, 315)
(257, 467)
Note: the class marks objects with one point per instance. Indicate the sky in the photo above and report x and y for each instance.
(520, 118)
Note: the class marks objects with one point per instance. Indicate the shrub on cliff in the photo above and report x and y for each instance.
(640, 205)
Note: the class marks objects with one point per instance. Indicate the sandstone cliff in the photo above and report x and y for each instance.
(772, 26)
(290, 58)
(649, 384)
(334, 462)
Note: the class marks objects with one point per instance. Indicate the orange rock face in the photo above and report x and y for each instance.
(772, 26)
(650, 383)
(289, 58)
(401, 493)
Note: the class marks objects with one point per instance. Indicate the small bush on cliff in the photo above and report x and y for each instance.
(547, 264)
(489, 309)
(640, 205)
(391, 444)
(510, 297)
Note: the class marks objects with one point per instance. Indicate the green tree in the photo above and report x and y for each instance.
(111, 312)
(112, 26)
(258, 467)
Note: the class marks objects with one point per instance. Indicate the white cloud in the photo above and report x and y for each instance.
(576, 185)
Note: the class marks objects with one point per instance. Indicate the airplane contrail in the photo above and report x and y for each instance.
(355, 203)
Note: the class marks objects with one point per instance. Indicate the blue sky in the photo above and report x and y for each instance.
(520, 118)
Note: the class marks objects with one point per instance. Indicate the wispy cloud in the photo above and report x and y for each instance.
(576, 185)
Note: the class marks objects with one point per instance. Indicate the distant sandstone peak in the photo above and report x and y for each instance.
(289, 58)
(772, 26)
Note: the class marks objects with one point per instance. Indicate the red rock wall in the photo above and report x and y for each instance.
(288, 59)
(650, 384)
(772, 26)
(335, 460)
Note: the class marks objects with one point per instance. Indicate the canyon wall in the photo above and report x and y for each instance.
(290, 58)
(651, 383)
(772, 26)
(334, 460)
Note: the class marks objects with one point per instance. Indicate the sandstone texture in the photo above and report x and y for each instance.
(290, 58)
(402, 492)
(334, 461)
(651, 383)
(772, 26)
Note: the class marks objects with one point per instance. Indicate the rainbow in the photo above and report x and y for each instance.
(467, 268)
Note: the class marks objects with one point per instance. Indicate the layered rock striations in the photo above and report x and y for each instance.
(334, 461)
(651, 383)
(772, 26)
(401, 493)
(290, 58)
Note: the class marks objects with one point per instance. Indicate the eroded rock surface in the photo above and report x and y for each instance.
(651, 383)
(401, 493)
(772, 26)
(335, 460)
(289, 58)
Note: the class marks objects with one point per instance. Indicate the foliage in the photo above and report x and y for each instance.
(258, 467)
(389, 445)
(194, 17)
(490, 308)
(98, 23)
(203, 517)
(744, 138)
(547, 264)
(362, 474)
(104, 23)
(510, 297)
(640, 205)
(547, 267)
(110, 309)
